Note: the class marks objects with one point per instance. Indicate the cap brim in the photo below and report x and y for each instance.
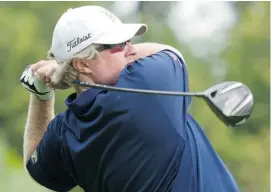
(122, 33)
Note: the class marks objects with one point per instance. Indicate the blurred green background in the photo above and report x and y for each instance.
(219, 40)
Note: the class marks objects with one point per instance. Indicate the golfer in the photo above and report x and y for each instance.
(109, 141)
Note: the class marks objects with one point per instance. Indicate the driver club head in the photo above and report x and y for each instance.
(232, 102)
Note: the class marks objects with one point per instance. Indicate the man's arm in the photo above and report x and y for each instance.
(41, 104)
(40, 113)
(43, 137)
(47, 164)
(147, 49)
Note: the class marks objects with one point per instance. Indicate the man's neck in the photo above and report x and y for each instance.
(79, 89)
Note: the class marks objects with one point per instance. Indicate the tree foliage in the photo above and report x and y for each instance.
(26, 29)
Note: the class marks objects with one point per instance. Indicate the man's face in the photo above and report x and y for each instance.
(107, 66)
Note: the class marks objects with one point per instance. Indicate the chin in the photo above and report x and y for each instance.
(108, 81)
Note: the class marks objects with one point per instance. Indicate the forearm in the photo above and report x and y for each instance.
(40, 113)
(147, 49)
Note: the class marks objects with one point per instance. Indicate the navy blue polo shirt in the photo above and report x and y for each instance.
(109, 141)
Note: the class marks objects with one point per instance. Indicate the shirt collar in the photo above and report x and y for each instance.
(77, 102)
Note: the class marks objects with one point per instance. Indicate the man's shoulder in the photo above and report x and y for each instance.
(156, 65)
(174, 51)
(166, 55)
(171, 51)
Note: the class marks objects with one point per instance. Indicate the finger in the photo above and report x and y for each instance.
(40, 73)
(45, 72)
(49, 85)
(36, 66)
(49, 73)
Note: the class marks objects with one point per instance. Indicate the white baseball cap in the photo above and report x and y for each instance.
(80, 27)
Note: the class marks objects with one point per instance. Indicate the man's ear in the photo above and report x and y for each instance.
(81, 66)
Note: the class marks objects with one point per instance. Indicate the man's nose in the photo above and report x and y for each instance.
(129, 50)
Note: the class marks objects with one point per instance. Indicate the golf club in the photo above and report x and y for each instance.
(232, 102)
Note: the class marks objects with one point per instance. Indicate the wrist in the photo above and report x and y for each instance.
(36, 100)
(45, 97)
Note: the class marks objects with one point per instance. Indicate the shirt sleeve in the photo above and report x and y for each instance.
(163, 71)
(46, 165)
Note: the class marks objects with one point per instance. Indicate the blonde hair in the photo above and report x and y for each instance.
(65, 74)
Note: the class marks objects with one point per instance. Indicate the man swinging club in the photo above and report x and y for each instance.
(109, 141)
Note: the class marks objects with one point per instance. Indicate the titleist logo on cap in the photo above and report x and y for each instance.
(77, 40)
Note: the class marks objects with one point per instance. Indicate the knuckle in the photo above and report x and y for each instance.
(39, 72)
(39, 62)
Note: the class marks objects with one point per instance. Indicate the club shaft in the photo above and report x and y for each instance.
(141, 91)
